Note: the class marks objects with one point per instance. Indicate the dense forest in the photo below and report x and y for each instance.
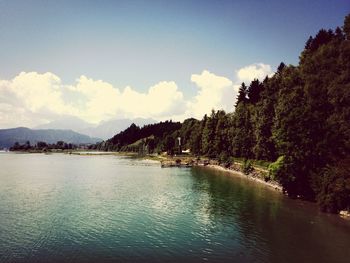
(298, 119)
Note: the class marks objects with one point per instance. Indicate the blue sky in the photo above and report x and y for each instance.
(141, 43)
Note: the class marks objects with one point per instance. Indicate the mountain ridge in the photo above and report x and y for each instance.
(103, 130)
(22, 134)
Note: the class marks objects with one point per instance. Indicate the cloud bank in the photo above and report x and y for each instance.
(31, 98)
(254, 71)
(213, 92)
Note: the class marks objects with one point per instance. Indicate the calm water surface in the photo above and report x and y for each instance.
(57, 207)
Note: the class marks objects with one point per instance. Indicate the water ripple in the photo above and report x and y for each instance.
(64, 208)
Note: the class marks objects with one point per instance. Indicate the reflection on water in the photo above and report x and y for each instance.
(106, 208)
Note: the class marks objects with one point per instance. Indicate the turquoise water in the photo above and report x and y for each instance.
(66, 208)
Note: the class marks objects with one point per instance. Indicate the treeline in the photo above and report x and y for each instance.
(298, 119)
(153, 137)
(43, 146)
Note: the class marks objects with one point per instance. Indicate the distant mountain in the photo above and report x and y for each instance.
(9, 136)
(104, 130)
(67, 123)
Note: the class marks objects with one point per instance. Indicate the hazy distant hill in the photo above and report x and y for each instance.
(9, 136)
(67, 123)
(104, 130)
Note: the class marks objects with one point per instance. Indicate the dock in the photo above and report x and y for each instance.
(175, 163)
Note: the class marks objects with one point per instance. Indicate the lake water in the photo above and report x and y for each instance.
(67, 208)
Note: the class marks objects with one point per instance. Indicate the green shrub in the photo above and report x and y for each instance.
(275, 167)
(247, 167)
(225, 160)
(262, 163)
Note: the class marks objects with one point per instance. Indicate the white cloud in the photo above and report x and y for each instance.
(254, 71)
(162, 100)
(30, 99)
(215, 92)
(93, 100)
(39, 98)
(11, 116)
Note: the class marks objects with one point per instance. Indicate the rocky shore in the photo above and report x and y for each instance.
(236, 169)
(254, 176)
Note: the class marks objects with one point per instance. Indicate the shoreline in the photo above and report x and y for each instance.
(257, 174)
(274, 186)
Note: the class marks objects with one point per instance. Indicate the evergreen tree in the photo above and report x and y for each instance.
(264, 114)
(196, 138)
(254, 91)
(222, 136)
(209, 135)
(242, 94)
(243, 136)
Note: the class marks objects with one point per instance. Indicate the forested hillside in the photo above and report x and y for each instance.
(158, 133)
(299, 119)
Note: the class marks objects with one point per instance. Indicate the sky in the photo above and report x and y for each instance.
(102, 60)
